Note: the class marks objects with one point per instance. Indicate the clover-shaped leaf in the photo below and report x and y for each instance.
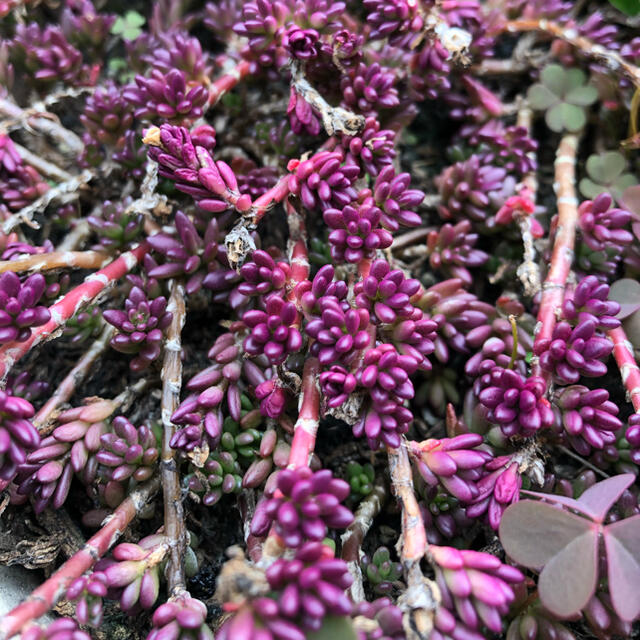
(626, 292)
(606, 174)
(564, 95)
(565, 547)
(128, 26)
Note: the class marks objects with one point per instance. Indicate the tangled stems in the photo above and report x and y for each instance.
(562, 255)
(614, 61)
(69, 305)
(48, 594)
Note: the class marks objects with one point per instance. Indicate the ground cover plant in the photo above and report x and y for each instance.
(319, 319)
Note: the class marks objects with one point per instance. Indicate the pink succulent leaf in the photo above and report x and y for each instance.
(533, 533)
(579, 559)
(622, 544)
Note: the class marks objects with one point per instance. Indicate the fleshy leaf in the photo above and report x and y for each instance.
(626, 292)
(532, 532)
(334, 628)
(598, 499)
(622, 543)
(569, 579)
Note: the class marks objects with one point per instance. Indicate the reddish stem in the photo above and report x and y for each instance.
(629, 371)
(70, 304)
(270, 198)
(306, 427)
(228, 81)
(562, 256)
(414, 535)
(48, 594)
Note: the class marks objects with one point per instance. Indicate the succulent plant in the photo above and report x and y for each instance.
(181, 618)
(466, 578)
(140, 326)
(19, 308)
(381, 572)
(360, 478)
(564, 95)
(309, 503)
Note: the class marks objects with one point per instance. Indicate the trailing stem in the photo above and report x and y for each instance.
(562, 255)
(611, 59)
(56, 260)
(229, 80)
(63, 189)
(71, 381)
(355, 534)
(629, 371)
(306, 427)
(44, 123)
(70, 304)
(528, 271)
(47, 595)
(420, 599)
(174, 526)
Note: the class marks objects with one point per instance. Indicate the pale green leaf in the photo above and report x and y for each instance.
(553, 77)
(582, 96)
(541, 98)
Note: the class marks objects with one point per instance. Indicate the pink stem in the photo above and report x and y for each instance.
(228, 81)
(306, 427)
(48, 594)
(276, 194)
(562, 256)
(66, 308)
(629, 371)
